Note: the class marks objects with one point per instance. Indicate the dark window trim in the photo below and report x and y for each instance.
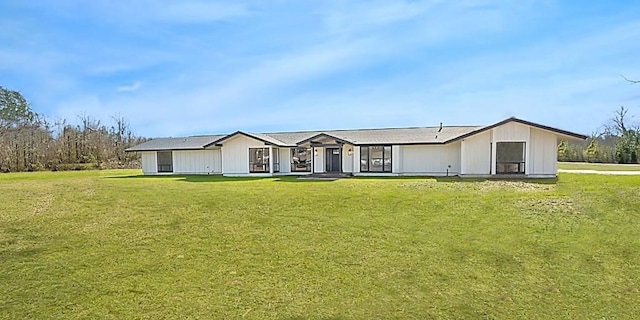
(520, 164)
(276, 164)
(307, 166)
(383, 158)
(264, 165)
(164, 167)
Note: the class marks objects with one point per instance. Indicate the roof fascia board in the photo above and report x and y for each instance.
(178, 149)
(513, 119)
(326, 135)
(220, 141)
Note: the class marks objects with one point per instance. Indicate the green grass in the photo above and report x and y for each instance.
(598, 166)
(115, 245)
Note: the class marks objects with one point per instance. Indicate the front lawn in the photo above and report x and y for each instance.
(598, 166)
(116, 245)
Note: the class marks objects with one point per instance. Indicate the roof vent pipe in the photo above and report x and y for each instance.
(440, 127)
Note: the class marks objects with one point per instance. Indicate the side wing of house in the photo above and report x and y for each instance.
(244, 155)
(431, 160)
(512, 148)
(182, 161)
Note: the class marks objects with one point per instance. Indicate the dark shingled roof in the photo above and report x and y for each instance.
(418, 135)
(188, 143)
(422, 135)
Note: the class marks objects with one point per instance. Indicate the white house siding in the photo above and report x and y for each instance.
(429, 159)
(543, 153)
(197, 161)
(511, 132)
(396, 163)
(149, 162)
(347, 160)
(475, 154)
(355, 161)
(318, 159)
(285, 160)
(235, 154)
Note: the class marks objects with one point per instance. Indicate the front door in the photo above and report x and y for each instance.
(333, 160)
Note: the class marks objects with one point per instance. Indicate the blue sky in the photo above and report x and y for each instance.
(176, 68)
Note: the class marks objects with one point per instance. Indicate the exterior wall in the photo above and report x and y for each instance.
(285, 160)
(318, 159)
(197, 161)
(347, 160)
(544, 153)
(355, 164)
(475, 154)
(396, 163)
(511, 132)
(235, 154)
(149, 162)
(428, 159)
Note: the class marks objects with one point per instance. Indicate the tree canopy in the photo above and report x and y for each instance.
(28, 141)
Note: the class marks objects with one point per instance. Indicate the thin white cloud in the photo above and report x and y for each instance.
(396, 63)
(133, 87)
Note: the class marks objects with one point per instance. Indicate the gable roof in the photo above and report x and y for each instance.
(258, 136)
(397, 136)
(416, 135)
(565, 133)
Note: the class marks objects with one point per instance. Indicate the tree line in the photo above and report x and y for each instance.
(619, 142)
(31, 142)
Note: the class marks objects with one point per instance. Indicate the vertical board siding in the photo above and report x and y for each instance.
(149, 162)
(356, 159)
(347, 160)
(430, 159)
(396, 162)
(318, 161)
(543, 153)
(511, 132)
(235, 154)
(285, 160)
(197, 161)
(476, 154)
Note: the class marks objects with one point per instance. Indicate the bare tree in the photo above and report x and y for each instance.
(632, 81)
(619, 121)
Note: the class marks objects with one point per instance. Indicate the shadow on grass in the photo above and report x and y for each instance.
(190, 178)
(296, 179)
(214, 178)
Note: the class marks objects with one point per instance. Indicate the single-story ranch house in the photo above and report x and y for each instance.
(509, 147)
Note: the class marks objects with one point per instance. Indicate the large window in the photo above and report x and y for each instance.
(165, 161)
(301, 160)
(258, 159)
(375, 159)
(510, 157)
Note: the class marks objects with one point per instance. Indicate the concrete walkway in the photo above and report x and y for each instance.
(601, 172)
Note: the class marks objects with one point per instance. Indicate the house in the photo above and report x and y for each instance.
(509, 147)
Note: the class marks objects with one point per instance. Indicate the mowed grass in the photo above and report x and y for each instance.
(116, 245)
(598, 166)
